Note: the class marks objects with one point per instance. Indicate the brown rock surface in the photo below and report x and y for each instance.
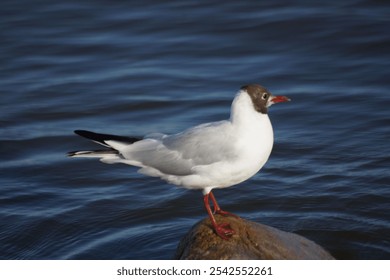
(250, 241)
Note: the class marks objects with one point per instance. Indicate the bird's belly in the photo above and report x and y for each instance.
(246, 168)
(226, 174)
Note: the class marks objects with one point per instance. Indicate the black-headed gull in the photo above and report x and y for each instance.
(205, 157)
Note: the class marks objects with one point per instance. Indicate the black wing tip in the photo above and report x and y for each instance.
(99, 137)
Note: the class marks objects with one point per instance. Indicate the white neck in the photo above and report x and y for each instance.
(254, 133)
(243, 111)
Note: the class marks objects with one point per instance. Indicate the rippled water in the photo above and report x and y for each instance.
(136, 68)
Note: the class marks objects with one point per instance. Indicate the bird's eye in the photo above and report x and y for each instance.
(265, 95)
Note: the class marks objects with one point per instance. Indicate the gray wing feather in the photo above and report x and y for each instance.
(177, 154)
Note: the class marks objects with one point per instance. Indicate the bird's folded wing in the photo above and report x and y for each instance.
(205, 144)
(178, 154)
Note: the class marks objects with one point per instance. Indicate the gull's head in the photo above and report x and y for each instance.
(262, 98)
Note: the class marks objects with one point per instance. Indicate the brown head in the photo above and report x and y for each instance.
(262, 98)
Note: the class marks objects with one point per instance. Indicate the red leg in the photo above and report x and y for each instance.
(217, 209)
(223, 230)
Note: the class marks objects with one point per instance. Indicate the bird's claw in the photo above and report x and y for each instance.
(224, 231)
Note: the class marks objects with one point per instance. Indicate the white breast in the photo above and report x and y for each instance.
(255, 139)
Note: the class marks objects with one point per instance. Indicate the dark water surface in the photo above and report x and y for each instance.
(146, 66)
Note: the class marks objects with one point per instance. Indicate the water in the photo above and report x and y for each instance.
(136, 68)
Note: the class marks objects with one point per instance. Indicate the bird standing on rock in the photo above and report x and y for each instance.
(205, 157)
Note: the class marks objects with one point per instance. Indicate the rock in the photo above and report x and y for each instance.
(251, 241)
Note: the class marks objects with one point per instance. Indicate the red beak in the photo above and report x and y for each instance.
(277, 99)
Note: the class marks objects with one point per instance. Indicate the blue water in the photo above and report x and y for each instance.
(146, 66)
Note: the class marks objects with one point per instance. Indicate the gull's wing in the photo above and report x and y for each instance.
(165, 155)
(178, 154)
